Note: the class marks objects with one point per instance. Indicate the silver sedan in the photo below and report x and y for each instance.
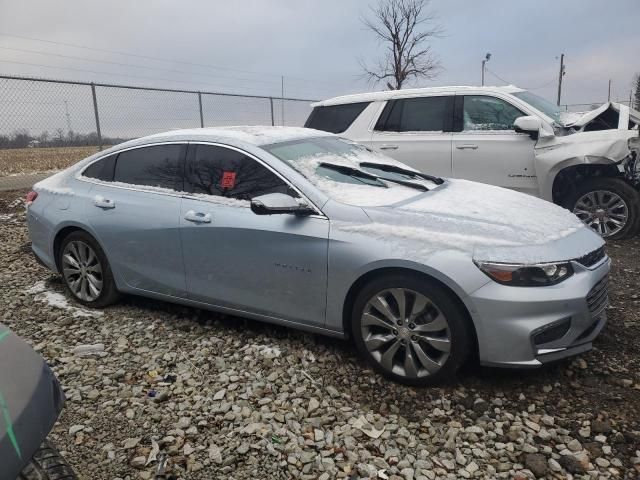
(305, 229)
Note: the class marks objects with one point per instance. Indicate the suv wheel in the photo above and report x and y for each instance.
(608, 205)
(410, 330)
(86, 271)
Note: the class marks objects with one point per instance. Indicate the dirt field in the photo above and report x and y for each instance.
(225, 397)
(34, 160)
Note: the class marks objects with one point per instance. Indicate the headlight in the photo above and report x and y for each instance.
(515, 275)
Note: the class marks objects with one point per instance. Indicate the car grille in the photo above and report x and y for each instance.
(590, 259)
(598, 297)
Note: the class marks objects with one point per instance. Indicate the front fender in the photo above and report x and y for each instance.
(554, 154)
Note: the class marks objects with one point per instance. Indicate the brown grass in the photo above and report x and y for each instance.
(33, 160)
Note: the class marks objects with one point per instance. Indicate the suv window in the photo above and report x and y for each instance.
(335, 118)
(488, 113)
(156, 166)
(224, 172)
(420, 114)
(102, 169)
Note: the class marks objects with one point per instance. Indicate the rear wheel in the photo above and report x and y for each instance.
(610, 206)
(86, 271)
(410, 330)
(47, 464)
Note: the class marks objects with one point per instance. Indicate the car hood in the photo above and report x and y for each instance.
(612, 115)
(488, 223)
(30, 401)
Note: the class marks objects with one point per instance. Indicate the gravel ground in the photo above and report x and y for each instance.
(225, 397)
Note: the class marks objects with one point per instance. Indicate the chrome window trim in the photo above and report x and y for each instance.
(82, 178)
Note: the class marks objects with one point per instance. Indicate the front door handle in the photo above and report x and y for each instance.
(388, 147)
(467, 146)
(105, 203)
(197, 217)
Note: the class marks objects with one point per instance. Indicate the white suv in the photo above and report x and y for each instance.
(505, 136)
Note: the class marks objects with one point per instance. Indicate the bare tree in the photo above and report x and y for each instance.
(406, 28)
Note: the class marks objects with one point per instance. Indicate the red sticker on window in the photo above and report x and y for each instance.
(228, 179)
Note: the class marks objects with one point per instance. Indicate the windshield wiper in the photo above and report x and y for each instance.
(401, 171)
(356, 172)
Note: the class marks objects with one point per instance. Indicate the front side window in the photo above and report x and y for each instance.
(156, 166)
(421, 114)
(335, 118)
(488, 113)
(223, 172)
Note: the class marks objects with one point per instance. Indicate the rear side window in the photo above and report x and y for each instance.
(223, 172)
(102, 169)
(156, 166)
(421, 114)
(335, 118)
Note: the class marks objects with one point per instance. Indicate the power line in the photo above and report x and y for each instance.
(511, 83)
(134, 66)
(159, 59)
(99, 72)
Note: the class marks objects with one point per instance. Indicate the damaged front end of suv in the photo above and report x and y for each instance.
(590, 164)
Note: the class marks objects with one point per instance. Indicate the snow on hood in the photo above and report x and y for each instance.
(489, 223)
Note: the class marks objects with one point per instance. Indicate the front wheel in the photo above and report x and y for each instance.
(47, 464)
(610, 206)
(410, 329)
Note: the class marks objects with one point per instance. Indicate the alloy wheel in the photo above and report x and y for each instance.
(82, 271)
(606, 212)
(406, 333)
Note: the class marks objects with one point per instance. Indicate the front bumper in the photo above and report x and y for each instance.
(527, 327)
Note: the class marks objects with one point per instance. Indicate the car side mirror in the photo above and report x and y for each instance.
(528, 124)
(278, 203)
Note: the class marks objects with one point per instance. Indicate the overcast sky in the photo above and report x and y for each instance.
(245, 45)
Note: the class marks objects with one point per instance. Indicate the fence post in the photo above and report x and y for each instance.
(271, 103)
(200, 105)
(95, 111)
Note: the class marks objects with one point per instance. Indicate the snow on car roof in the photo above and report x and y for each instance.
(387, 94)
(255, 135)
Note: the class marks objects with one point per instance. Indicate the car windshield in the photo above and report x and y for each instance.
(342, 169)
(539, 103)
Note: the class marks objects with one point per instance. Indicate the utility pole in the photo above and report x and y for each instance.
(487, 57)
(562, 72)
(282, 100)
(609, 94)
(66, 114)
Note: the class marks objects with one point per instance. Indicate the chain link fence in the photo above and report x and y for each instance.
(49, 124)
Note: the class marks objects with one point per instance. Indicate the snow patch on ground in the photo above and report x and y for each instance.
(6, 217)
(59, 301)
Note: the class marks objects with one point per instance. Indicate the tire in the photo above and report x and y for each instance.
(602, 189)
(47, 464)
(96, 271)
(421, 313)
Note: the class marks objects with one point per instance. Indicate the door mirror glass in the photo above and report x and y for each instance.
(277, 203)
(528, 124)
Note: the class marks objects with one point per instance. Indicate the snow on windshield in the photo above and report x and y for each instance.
(306, 156)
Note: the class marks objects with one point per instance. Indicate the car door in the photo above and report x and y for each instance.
(135, 215)
(487, 149)
(417, 132)
(270, 265)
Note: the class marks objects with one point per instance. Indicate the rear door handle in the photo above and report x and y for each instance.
(197, 217)
(388, 147)
(467, 146)
(105, 203)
